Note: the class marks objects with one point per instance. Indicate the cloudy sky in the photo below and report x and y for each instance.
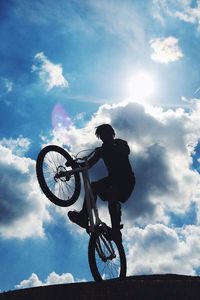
(68, 66)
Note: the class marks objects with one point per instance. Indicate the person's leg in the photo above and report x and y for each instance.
(115, 214)
(112, 195)
(81, 218)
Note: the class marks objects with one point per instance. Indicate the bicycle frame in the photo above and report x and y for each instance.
(94, 219)
(91, 204)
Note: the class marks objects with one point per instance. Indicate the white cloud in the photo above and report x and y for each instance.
(6, 86)
(166, 49)
(53, 278)
(80, 116)
(18, 146)
(32, 281)
(23, 209)
(50, 74)
(9, 85)
(166, 250)
(184, 10)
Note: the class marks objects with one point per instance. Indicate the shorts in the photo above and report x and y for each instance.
(110, 192)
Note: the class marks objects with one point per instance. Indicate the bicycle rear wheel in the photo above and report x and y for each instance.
(107, 258)
(61, 190)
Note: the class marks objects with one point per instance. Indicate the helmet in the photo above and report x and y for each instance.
(105, 129)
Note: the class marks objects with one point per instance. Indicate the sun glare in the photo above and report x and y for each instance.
(141, 86)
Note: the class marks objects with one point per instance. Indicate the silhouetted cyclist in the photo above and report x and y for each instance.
(117, 186)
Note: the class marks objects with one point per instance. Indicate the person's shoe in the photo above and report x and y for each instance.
(78, 218)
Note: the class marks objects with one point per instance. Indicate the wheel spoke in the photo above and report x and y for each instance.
(62, 190)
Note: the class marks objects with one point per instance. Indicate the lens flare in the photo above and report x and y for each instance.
(60, 118)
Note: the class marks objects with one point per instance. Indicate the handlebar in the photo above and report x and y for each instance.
(85, 158)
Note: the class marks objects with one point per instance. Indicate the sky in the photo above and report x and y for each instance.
(68, 66)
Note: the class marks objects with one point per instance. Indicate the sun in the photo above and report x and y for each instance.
(141, 86)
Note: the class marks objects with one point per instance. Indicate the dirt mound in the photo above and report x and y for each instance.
(149, 287)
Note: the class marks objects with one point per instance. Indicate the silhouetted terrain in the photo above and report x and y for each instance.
(149, 287)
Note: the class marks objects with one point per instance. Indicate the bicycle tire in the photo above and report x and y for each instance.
(100, 274)
(62, 192)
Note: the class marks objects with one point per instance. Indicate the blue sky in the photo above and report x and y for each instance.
(68, 66)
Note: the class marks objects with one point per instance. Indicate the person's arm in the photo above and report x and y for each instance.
(94, 159)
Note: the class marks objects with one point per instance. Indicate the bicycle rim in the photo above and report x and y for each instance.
(62, 191)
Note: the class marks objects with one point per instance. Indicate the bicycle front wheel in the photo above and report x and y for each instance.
(61, 190)
(107, 258)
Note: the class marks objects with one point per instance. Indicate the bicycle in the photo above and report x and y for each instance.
(59, 178)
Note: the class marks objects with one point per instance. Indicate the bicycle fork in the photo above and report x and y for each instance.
(108, 245)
